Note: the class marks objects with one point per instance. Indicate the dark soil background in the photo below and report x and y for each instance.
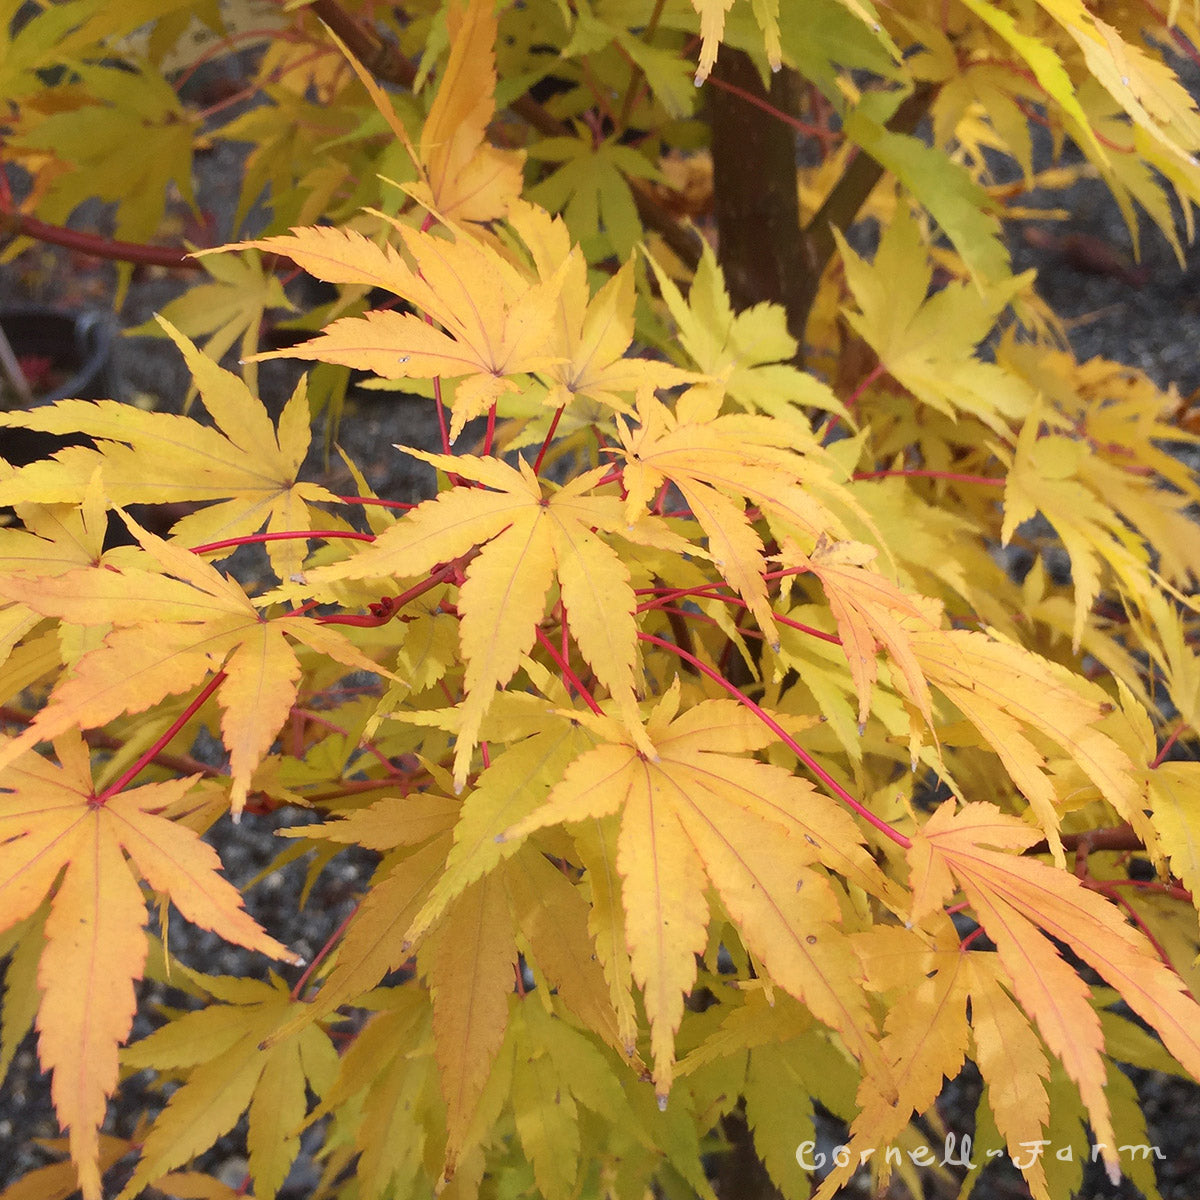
(1146, 315)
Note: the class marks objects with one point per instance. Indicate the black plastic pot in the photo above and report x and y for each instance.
(78, 351)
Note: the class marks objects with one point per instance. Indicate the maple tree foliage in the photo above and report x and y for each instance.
(661, 681)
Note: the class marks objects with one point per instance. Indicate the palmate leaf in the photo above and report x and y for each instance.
(700, 811)
(591, 335)
(869, 610)
(931, 980)
(591, 188)
(469, 951)
(1015, 699)
(496, 320)
(747, 354)
(229, 309)
(927, 342)
(464, 178)
(230, 1071)
(55, 830)
(203, 623)
(247, 468)
(529, 539)
(1021, 904)
(711, 458)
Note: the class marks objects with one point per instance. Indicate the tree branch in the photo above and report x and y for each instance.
(173, 257)
(1119, 837)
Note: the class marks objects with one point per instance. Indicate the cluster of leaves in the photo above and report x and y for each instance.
(660, 683)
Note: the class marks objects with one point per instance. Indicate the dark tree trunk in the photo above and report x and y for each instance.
(757, 203)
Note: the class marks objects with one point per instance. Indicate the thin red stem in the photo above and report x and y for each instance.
(316, 718)
(403, 505)
(283, 535)
(321, 954)
(176, 725)
(443, 428)
(537, 462)
(1166, 748)
(778, 730)
(568, 675)
(490, 436)
(704, 592)
(826, 137)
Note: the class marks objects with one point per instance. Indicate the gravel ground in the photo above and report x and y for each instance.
(1146, 317)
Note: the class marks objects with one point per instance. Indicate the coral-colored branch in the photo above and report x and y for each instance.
(489, 436)
(389, 606)
(95, 246)
(541, 454)
(176, 725)
(568, 675)
(402, 505)
(317, 719)
(282, 535)
(778, 730)
(665, 596)
(321, 954)
(1160, 757)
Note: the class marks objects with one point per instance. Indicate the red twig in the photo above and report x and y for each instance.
(282, 535)
(782, 734)
(568, 675)
(92, 244)
(330, 942)
(176, 725)
(537, 462)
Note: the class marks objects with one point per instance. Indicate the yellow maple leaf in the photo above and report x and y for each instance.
(591, 334)
(464, 178)
(932, 978)
(470, 959)
(203, 623)
(246, 469)
(468, 949)
(496, 319)
(711, 458)
(700, 813)
(529, 540)
(1021, 904)
(927, 342)
(58, 837)
(1014, 698)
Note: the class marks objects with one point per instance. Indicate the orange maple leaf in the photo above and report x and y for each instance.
(462, 176)
(59, 838)
(1021, 904)
(203, 623)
